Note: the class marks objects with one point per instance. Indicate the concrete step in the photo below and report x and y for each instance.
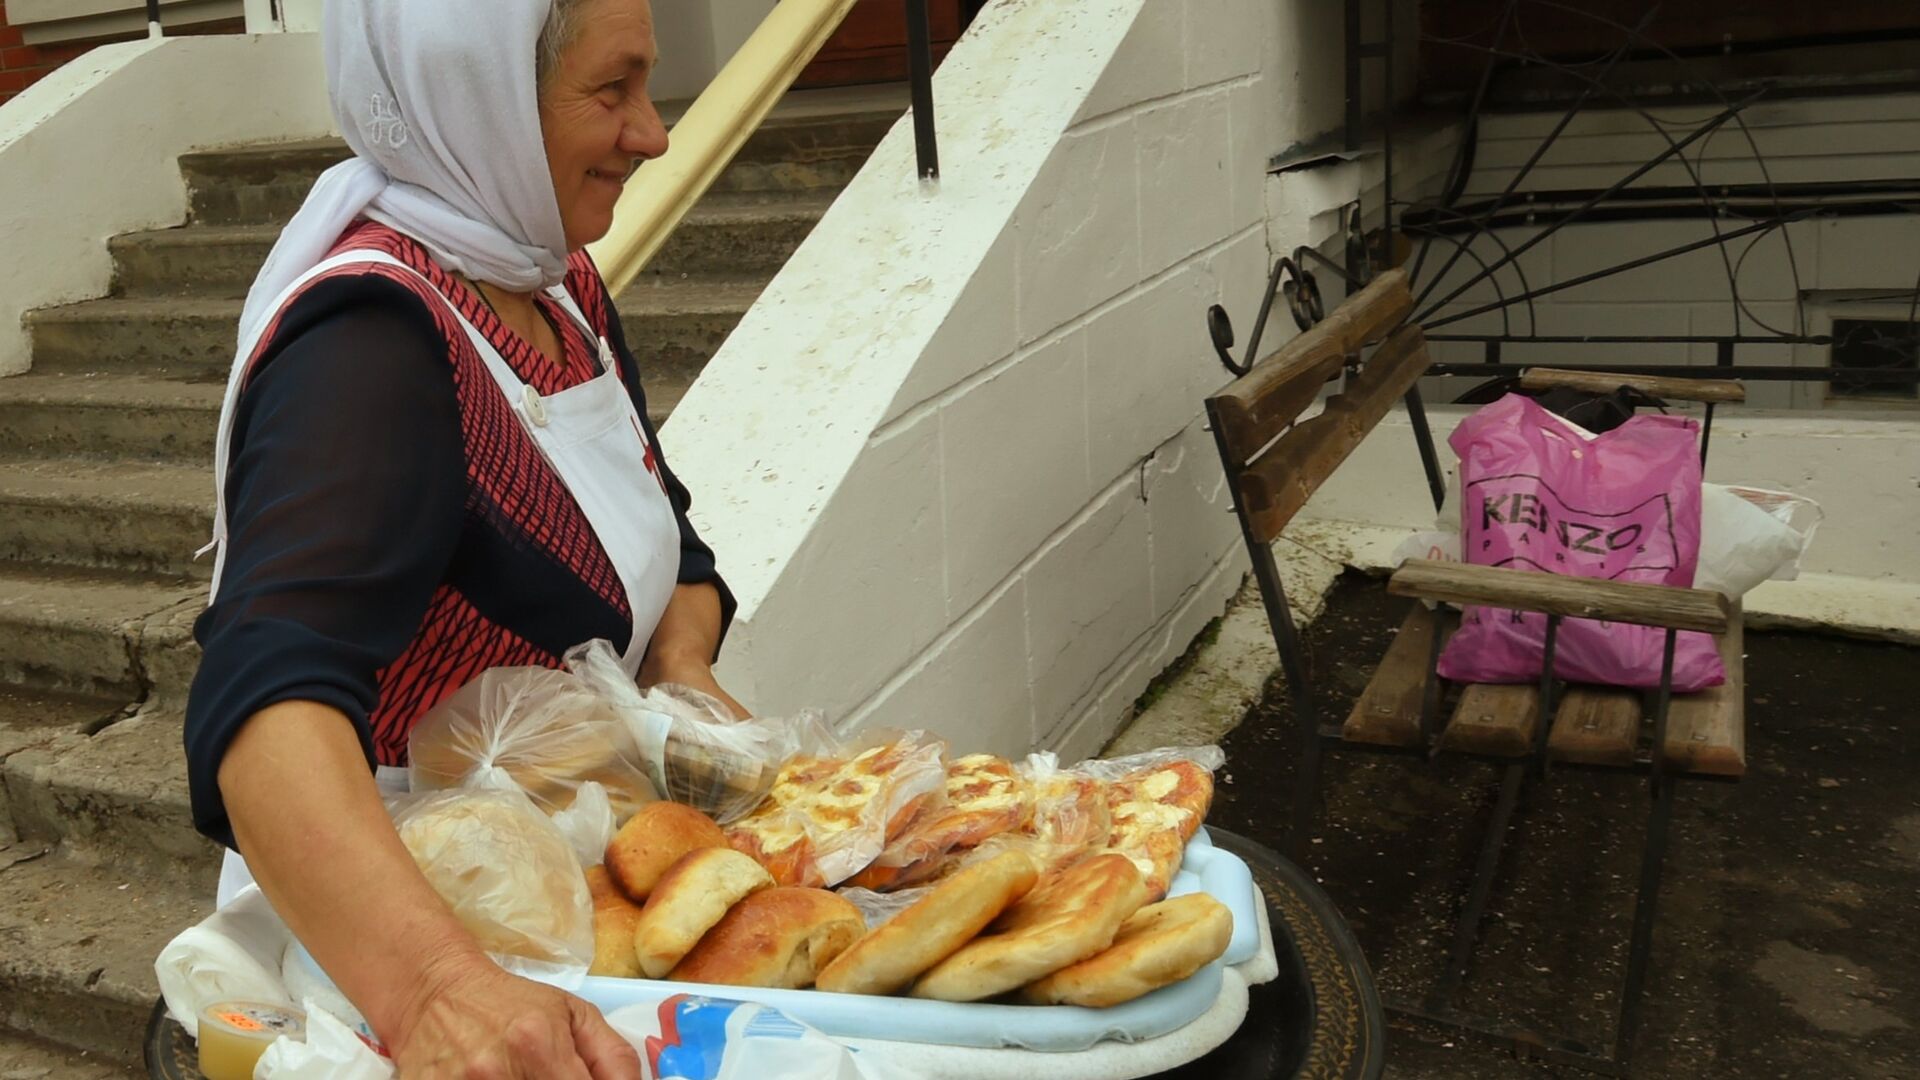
(114, 416)
(24, 1057)
(113, 515)
(77, 944)
(108, 416)
(675, 323)
(265, 184)
(726, 234)
(105, 634)
(113, 795)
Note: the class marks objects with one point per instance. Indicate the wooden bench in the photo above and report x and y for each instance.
(1277, 452)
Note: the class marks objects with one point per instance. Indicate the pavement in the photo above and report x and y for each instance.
(1786, 938)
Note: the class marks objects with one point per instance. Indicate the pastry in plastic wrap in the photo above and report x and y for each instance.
(826, 818)
(1070, 820)
(695, 750)
(546, 730)
(1155, 812)
(653, 840)
(504, 869)
(779, 937)
(614, 919)
(951, 914)
(688, 900)
(1065, 919)
(1158, 946)
(986, 796)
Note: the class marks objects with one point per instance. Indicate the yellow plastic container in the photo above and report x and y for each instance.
(233, 1035)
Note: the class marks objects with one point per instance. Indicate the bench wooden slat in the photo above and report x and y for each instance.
(1254, 409)
(1494, 719)
(1388, 711)
(1279, 483)
(1668, 387)
(1559, 594)
(1596, 725)
(1706, 732)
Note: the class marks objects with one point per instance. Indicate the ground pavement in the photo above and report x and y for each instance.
(1786, 942)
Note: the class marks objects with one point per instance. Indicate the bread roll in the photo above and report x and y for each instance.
(689, 899)
(779, 937)
(1065, 919)
(614, 918)
(1158, 946)
(932, 929)
(654, 839)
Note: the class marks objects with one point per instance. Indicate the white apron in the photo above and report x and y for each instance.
(592, 438)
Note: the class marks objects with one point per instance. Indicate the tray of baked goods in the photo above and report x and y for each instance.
(630, 845)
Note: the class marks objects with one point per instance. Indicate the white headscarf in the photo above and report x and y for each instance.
(437, 99)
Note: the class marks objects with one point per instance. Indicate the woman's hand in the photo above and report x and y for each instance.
(476, 1022)
(691, 673)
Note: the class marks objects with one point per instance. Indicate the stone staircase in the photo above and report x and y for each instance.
(105, 493)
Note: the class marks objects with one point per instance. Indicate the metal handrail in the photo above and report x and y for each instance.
(153, 19)
(727, 112)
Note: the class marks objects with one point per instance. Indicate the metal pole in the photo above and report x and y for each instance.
(920, 76)
(153, 19)
(1354, 112)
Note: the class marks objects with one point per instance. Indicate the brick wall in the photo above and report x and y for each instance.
(22, 65)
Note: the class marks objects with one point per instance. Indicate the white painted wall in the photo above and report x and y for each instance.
(93, 150)
(953, 459)
(1825, 263)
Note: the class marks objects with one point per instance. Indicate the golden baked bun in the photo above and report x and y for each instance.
(614, 918)
(654, 839)
(779, 937)
(693, 895)
(1065, 919)
(1158, 946)
(934, 928)
(504, 869)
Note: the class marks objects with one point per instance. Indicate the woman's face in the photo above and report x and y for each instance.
(596, 117)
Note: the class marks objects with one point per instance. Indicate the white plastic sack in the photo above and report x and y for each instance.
(1748, 535)
(231, 955)
(689, 1037)
(330, 1052)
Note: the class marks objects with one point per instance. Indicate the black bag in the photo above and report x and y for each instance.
(1595, 412)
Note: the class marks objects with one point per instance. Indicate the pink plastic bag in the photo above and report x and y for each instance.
(1540, 493)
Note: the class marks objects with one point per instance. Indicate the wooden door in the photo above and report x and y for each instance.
(871, 45)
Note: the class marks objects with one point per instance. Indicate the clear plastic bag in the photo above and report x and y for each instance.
(548, 730)
(588, 824)
(985, 797)
(1750, 535)
(694, 750)
(1209, 757)
(1070, 817)
(507, 873)
(880, 907)
(828, 816)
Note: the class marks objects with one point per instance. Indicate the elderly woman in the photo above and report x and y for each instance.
(435, 459)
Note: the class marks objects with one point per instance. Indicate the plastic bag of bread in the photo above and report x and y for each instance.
(1157, 800)
(547, 731)
(693, 748)
(507, 873)
(1070, 818)
(985, 797)
(828, 815)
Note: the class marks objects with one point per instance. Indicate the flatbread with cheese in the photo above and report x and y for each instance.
(934, 928)
(826, 818)
(985, 797)
(1158, 946)
(1155, 812)
(1065, 919)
